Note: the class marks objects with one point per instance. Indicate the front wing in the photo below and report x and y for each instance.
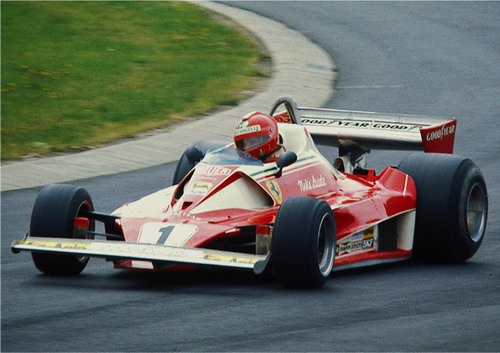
(142, 251)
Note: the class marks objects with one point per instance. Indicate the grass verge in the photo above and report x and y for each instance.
(79, 74)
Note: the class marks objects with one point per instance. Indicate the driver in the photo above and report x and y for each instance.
(257, 134)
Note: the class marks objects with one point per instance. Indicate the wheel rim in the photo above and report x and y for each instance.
(476, 212)
(326, 246)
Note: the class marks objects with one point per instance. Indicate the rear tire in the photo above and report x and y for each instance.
(452, 206)
(303, 242)
(54, 211)
(185, 164)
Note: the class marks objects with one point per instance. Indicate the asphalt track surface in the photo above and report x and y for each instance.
(422, 58)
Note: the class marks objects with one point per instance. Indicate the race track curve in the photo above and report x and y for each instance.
(421, 58)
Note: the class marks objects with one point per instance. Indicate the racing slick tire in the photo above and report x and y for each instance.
(191, 156)
(303, 242)
(54, 211)
(452, 206)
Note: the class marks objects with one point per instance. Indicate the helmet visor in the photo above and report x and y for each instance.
(251, 142)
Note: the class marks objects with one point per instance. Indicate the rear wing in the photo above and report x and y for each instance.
(367, 130)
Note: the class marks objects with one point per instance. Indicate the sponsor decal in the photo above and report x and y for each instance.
(368, 243)
(246, 130)
(199, 188)
(357, 242)
(275, 190)
(55, 244)
(311, 183)
(244, 124)
(282, 118)
(152, 252)
(213, 170)
(227, 258)
(349, 247)
(441, 133)
(368, 233)
(361, 124)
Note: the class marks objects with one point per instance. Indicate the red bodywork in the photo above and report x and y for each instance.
(373, 213)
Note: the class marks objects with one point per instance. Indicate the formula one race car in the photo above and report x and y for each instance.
(249, 204)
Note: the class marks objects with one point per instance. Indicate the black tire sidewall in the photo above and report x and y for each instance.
(54, 211)
(467, 177)
(443, 185)
(295, 241)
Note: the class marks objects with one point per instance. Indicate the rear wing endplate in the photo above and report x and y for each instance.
(368, 130)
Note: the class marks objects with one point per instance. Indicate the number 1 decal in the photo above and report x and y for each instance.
(161, 233)
(165, 232)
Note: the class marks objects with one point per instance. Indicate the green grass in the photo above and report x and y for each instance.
(78, 74)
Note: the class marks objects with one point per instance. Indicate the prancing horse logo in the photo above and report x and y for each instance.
(275, 190)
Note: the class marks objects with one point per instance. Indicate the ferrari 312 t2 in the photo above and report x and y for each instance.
(269, 201)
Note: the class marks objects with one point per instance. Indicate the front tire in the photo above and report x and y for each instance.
(452, 206)
(54, 211)
(303, 243)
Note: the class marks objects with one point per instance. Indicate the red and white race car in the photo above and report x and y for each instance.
(299, 215)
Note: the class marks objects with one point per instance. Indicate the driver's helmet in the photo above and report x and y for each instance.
(257, 134)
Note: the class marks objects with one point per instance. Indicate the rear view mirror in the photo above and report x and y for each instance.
(286, 159)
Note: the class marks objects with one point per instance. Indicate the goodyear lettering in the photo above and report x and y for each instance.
(360, 124)
(440, 134)
(307, 121)
(391, 126)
